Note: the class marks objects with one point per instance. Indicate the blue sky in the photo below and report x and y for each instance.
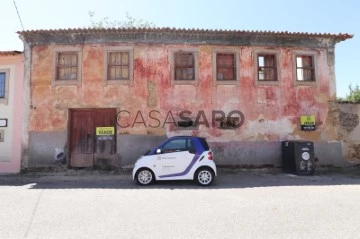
(313, 16)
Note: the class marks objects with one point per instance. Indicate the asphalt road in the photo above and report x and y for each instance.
(238, 205)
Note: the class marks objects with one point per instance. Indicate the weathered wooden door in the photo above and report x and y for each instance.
(85, 146)
(81, 138)
(105, 145)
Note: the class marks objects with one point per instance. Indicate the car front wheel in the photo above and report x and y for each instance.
(204, 176)
(144, 177)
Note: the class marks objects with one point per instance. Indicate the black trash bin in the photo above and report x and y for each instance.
(298, 157)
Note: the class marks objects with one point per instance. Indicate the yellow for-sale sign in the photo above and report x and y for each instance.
(105, 130)
(307, 120)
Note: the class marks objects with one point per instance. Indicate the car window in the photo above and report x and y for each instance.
(175, 145)
(179, 145)
(191, 146)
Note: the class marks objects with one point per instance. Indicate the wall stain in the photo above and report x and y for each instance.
(348, 120)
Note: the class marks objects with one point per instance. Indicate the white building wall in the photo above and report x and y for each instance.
(7, 112)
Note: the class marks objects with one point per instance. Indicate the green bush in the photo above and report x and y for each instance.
(352, 97)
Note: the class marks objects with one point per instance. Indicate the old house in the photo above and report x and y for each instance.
(11, 106)
(104, 96)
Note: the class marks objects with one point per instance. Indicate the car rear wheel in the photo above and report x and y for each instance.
(144, 177)
(204, 176)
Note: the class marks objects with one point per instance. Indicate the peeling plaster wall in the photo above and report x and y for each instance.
(25, 144)
(271, 111)
(43, 147)
(349, 131)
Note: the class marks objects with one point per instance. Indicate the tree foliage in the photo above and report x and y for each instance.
(129, 22)
(353, 96)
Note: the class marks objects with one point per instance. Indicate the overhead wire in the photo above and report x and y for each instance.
(19, 15)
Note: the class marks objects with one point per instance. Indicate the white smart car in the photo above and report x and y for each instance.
(178, 158)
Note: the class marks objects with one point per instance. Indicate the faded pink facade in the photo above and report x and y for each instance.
(11, 108)
(272, 110)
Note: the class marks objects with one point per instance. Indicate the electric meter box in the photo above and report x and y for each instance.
(298, 157)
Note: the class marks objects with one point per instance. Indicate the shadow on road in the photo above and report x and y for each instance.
(225, 180)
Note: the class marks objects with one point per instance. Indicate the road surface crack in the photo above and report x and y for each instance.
(33, 214)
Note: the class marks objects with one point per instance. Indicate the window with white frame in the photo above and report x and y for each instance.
(4, 85)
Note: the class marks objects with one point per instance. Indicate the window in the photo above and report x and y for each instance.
(4, 86)
(305, 68)
(184, 66)
(225, 67)
(266, 67)
(67, 66)
(118, 65)
(2, 132)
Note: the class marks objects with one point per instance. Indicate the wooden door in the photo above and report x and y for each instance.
(81, 138)
(105, 147)
(86, 149)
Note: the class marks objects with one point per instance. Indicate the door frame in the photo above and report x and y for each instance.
(70, 112)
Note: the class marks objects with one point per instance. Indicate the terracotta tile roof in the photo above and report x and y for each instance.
(10, 53)
(339, 36)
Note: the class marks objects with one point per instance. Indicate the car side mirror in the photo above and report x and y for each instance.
(158, 151)
(192, 151)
